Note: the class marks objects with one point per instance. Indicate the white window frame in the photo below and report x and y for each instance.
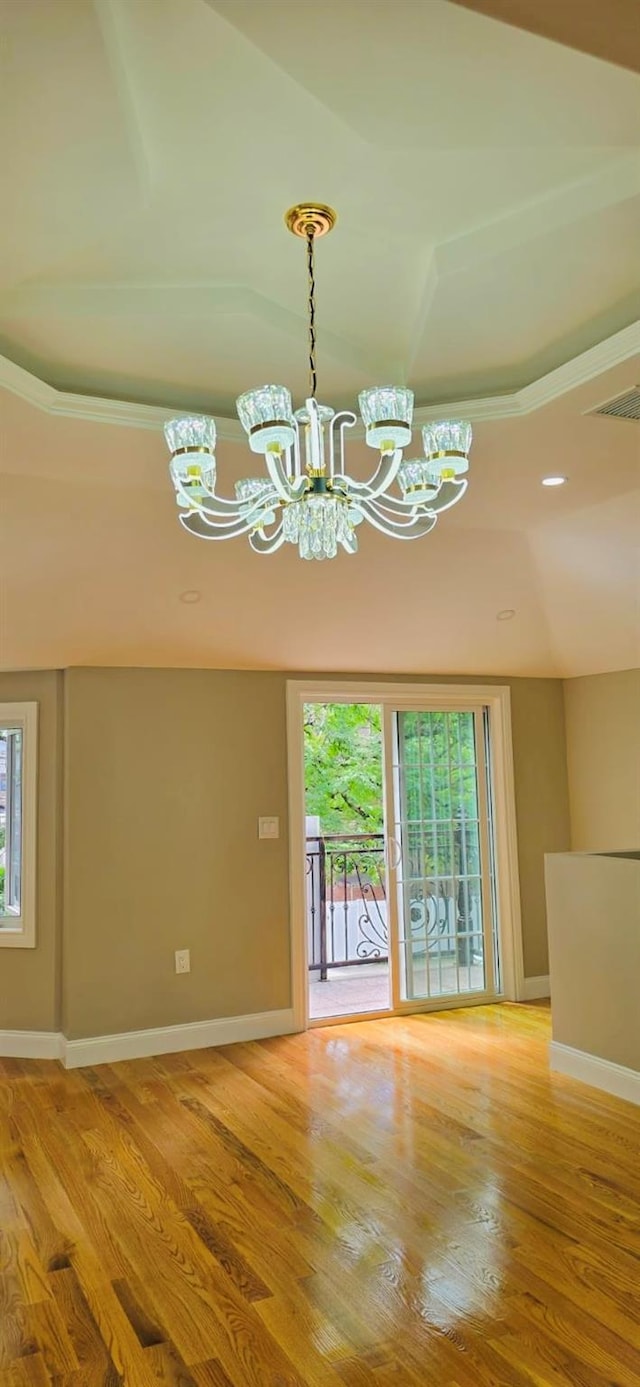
(19, 931)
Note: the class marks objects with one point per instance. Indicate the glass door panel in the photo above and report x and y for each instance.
(441, 836)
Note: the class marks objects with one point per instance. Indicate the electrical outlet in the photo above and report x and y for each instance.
(183, 961)
(269, 827)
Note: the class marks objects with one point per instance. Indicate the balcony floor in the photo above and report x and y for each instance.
(348, 991)
(366, 987)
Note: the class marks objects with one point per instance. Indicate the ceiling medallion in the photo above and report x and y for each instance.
(306, 496)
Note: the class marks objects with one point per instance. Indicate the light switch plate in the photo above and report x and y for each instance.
(269, 826)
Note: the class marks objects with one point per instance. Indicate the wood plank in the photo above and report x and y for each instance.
(51, 1337)
(221, 1247)
(26, 1372)
(211, 1374)
(96, 1368)
(387, 1204)
(168, 1367)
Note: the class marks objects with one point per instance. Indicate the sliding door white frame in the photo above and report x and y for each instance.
(397, 925)
(409, 697)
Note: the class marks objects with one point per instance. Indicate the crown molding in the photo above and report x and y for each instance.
(99, 410)
(579, 371)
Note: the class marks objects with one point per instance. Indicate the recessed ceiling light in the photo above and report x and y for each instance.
(553, 481)
(506, 615)
(190, 596)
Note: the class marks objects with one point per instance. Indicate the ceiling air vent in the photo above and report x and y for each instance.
(626, 406)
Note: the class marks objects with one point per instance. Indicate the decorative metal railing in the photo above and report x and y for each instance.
(346, 900)
(347, 906)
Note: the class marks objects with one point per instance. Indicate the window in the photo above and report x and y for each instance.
(18, 753)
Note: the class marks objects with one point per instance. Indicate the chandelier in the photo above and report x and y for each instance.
(306, 496)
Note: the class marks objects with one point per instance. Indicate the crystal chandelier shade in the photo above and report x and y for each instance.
(197, 433)
(447, 445)
(418, 480)
(307, 497)
(266, 418)
(386, 414)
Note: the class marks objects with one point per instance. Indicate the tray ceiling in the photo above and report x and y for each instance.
(487, 183)
(488, 189)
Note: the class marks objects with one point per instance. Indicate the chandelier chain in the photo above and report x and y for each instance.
(313, 379)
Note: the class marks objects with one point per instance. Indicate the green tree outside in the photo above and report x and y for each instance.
(343, 766)
(344, 781)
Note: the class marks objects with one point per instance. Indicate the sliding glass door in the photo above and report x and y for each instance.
(440, 855)
(404, 870)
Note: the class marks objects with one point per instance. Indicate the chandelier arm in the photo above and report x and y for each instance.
(213, 514)
(198, 525)
(225, 514)
(396, 505)
(183, 492)
(246, 517)
(294, 451)
(299, 488)
(450, 492)
(212, 498)
(285, 490)
(383, 477)
(412, 528)
(344, 420)
(217, 506)
(262, 543)
(403, 519)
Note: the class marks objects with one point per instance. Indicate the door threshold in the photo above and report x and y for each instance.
(350, 1016)
(414, 1008)
(458, 1003)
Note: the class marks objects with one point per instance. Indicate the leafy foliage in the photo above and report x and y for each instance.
(343, 766)
(344, 781)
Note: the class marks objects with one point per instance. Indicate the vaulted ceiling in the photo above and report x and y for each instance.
(487, 182)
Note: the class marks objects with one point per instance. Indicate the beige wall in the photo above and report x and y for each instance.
(542, 803)
(29, 978)
(166, 772)
(592, 901)
(602, 714)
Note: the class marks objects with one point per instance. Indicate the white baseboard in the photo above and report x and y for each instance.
(31, 1045)
(536, 987)
(167, 1040)
(590, 1069)
(163, 1040)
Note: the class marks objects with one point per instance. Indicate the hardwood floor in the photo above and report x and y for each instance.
(402, 1203)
